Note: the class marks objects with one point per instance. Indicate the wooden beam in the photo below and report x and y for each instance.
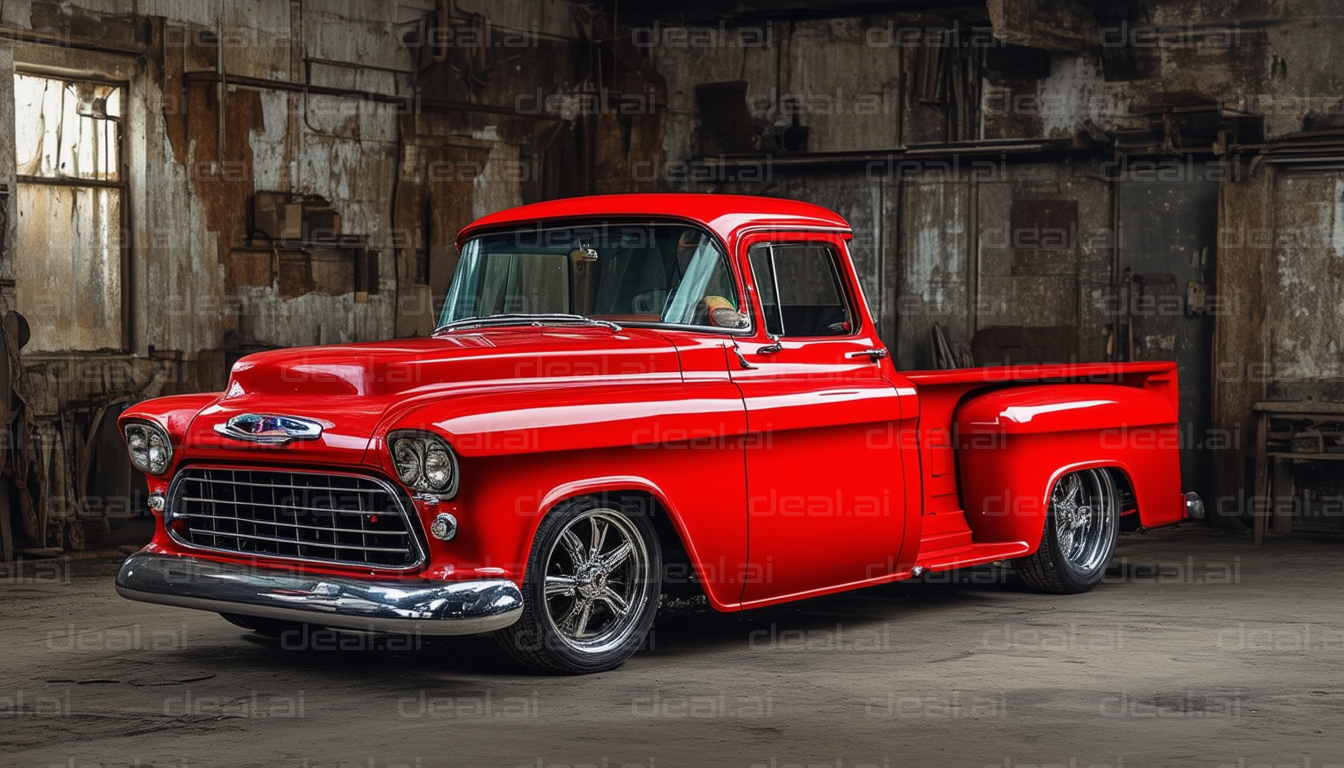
(1245, 242)
(1059, 26)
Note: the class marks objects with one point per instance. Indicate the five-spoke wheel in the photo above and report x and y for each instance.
(591, 588)
(1081, 527)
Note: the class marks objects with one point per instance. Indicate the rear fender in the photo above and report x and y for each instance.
(1015, 443)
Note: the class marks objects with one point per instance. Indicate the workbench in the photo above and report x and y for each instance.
(1276, 450)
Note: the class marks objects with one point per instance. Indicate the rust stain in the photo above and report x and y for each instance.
(295, 277)
(252, 268)
(222, 181)
(174, 96)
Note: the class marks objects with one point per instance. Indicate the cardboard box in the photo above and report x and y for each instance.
(277, 216)
(323, 223)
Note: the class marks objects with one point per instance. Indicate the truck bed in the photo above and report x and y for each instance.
(946, 540)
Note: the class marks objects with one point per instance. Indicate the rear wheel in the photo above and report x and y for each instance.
(1081, 527)
(591, 589)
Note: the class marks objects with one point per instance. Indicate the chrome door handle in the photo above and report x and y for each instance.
(774, 346)
(874, 354)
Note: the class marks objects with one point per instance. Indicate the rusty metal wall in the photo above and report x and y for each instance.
(350, 103)
(1303, 323)
(1240, 99)
(981, 180)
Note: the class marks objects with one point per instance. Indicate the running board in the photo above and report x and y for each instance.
(973, 554)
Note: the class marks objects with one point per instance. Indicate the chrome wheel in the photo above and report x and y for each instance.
(591, 587)
(1079, 506)
(595, 572)
(1081, 526)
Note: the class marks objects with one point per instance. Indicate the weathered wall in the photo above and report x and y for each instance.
(933, 241)
(1088, 104)
(1264, 57)
(198, 284)
(953, 155)
(1303, 289)
(410, 123)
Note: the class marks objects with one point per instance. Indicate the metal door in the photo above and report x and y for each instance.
(1168, 237)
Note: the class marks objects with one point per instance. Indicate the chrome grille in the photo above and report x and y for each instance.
(328, 518)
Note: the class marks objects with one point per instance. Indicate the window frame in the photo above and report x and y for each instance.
(121, 185)
(838, 271)
(735, 272)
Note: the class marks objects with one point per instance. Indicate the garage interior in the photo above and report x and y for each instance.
(1029, 181)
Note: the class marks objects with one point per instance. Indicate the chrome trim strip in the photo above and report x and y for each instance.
(572, 221)
(198, 515)
(313, 544)
(412, 606)
(413, 525)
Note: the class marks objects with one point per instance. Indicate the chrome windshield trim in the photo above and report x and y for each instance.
(575, 221)
(538, 319)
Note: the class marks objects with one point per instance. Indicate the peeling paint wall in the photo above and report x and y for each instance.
(1304, 288)
(1090, 105)
(932, 235)
(940, 156)
(195, 287)
(411, 118)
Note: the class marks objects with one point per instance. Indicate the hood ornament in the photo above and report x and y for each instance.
(269, 429)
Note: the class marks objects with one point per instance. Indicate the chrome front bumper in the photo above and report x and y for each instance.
(416, 606)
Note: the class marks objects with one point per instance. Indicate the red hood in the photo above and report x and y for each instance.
(350, 388)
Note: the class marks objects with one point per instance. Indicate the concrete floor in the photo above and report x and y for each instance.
(1199, 650)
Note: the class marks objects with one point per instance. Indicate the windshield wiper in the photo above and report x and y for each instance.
(524, 318)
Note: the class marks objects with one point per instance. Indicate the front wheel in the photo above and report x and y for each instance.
(1081, 527)
(591, 588)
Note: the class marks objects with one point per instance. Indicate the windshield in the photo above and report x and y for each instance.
(663, 274)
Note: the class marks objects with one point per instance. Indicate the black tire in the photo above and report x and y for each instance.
(263, 626)
(579, 627)
(1081, 527)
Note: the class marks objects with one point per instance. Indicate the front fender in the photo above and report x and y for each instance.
(504, 498)
(524, 450)
(173, 412)
(1014, 443)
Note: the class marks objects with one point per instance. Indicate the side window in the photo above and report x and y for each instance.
(800, 289)
(704, 294)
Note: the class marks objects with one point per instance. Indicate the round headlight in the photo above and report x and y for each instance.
(424, 462)
(150, 449)
(438, 466)
(406, 457)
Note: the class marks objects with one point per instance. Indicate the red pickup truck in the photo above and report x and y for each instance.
(627, 395)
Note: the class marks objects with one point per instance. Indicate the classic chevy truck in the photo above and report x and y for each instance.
(628, 395)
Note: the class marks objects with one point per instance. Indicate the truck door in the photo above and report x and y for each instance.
(825, 489)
